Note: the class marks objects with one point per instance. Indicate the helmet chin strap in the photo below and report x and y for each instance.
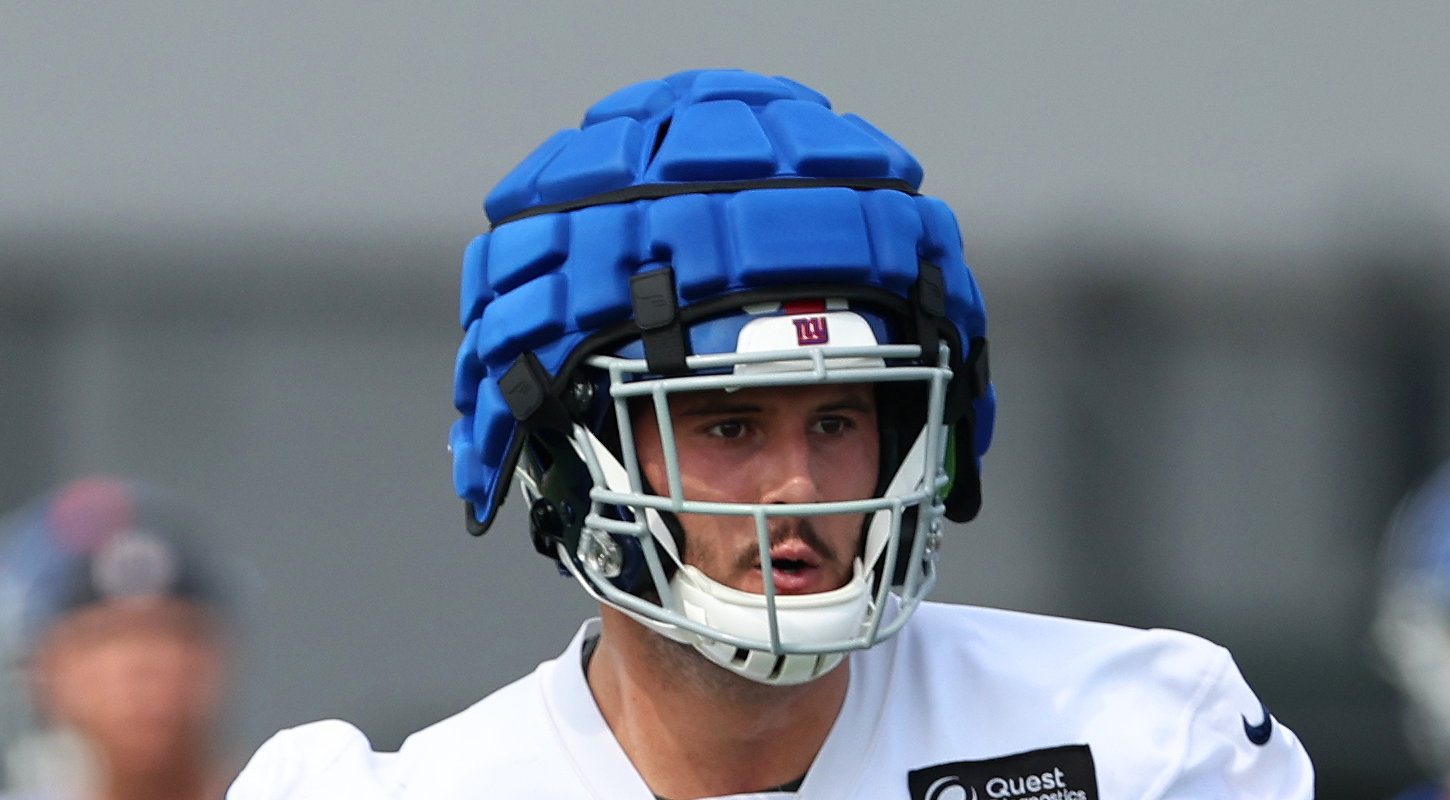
(814, 619)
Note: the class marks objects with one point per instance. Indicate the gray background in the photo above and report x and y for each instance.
(1211, 237)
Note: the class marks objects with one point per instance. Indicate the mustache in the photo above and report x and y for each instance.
(784, 529)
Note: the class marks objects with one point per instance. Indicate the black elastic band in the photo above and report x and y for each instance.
(525, 388)
(652, 294)
(654, 191)
(929, 305)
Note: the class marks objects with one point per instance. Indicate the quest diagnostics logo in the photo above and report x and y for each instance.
(1055, 773)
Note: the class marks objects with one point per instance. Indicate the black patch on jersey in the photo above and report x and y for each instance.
(1053, 773)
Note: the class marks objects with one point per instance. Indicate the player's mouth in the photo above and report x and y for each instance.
(796, 569)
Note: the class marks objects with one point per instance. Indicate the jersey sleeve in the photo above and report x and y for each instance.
(328, 759)
(1236, 749)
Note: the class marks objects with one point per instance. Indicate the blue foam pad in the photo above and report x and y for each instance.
(468, 482)
(943, 245)
(492, 425)
(799, 236)
(680, 81)
(524, 318)
(516, 191)
(683, 232)
(601, 158)
(804, 92)
(604, 249)
(527, 249)
(903, 164)
(717, 140)
(895, 228)
(817, 143)
(474, 292)
(985, 409)
(734, 84)
(467, 370)
(639, 101)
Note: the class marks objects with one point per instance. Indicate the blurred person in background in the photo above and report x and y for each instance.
(116, 648)
(1412, 627)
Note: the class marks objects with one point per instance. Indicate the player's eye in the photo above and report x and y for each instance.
(831, 426)
(728, 429)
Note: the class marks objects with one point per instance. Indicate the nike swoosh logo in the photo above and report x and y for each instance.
(1259, 734)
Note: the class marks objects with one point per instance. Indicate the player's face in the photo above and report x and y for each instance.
(798, 444)
(141, 680)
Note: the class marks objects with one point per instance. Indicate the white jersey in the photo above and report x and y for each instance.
(963, 703)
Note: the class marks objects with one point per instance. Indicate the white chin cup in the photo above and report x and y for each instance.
(803, 620)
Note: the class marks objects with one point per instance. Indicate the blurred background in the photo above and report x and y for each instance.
(1212, 238)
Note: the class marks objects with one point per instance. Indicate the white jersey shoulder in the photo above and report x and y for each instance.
(1008, 705)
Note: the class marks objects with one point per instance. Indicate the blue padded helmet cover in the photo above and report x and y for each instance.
(544, 282)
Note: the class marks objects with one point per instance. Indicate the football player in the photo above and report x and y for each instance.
(1411, 624)
(116, 625)
(739, 367)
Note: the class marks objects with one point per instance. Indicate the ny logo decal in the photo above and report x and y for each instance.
(811, 330)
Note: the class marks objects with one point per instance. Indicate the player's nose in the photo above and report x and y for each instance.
(789, 471)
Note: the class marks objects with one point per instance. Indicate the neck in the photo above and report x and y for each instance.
(692, 729)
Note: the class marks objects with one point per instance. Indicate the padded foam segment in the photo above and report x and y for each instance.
(601, 158)
(804, 92)
(799, 236)
(468, 469)
(683, 232)
(816, 143)
(943, 245)
(747, 87)
(986, 415)
(639, 101)
(716, 140)
(516, 190)
(903, 164)
(895, 228)
(525, 318)
(493, 424)
(473, 291)
(526, 249)
(467, 370)
(604, 247)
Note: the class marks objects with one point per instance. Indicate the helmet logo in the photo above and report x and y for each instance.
(811, 331)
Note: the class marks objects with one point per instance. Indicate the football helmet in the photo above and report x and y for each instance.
(719, 230)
